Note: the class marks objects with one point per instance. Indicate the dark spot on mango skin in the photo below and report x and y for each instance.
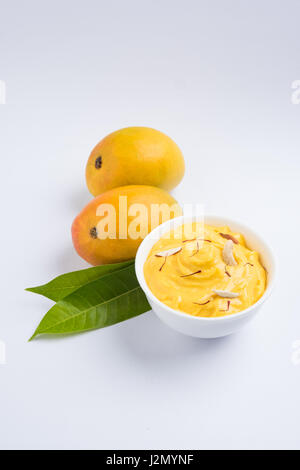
(98, 163)
(93, 232)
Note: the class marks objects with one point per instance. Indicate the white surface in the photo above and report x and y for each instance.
(201, 327)
(216, 76)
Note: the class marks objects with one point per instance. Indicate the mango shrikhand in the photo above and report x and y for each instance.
(205, 271)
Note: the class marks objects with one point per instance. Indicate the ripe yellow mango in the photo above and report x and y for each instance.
(134, 155)
(112, 226)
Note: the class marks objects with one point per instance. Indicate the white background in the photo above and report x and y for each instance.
(216, 76)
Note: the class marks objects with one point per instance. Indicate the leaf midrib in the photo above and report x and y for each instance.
(84, 312)
(81, 285)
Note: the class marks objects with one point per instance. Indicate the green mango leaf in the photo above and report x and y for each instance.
(113, 298)
(65, 284)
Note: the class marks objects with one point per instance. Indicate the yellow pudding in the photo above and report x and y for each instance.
(211, 273)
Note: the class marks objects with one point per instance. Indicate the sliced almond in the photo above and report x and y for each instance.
(172, 251)
(228, 254)
(226, 294)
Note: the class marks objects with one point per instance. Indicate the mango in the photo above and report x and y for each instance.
(112, 226)
(134, 155)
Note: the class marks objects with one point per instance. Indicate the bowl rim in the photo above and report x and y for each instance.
(139, 268)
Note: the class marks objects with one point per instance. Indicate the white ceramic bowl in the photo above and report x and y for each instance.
(199, 326)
